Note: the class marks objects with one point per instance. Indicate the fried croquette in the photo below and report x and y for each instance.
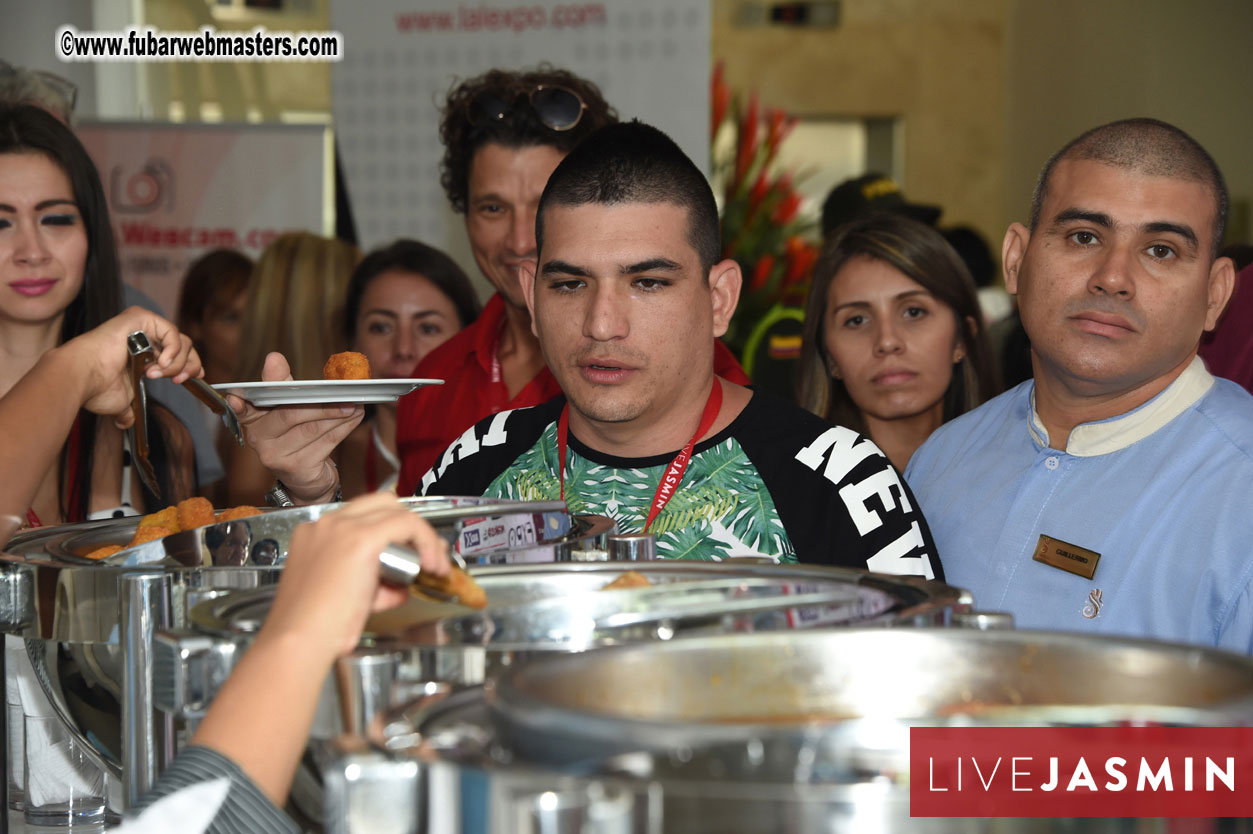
(149, 533)
(167, 518)
(458, 584)
(236, 513)
(630, 579)
(347, 365)
(104, 552)
(195, 512)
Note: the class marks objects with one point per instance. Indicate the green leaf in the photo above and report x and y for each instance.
(691, 542)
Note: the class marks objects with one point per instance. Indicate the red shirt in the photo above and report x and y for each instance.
(431, 418)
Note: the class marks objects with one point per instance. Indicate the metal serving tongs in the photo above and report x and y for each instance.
(142, 355)
(400, 565)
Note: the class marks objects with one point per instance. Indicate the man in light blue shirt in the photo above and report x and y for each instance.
(1111, 492)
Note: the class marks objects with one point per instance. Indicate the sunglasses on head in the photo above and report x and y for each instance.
(558, 108)
(64, 91)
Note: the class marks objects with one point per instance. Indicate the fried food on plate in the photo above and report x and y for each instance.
(104, 552)
(167, 518)
(236, 513)
(457, 584)
(195, 512)
(151, 532)
(630, 579)
(347, 365)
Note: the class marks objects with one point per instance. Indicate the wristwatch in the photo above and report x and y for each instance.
(278, 495)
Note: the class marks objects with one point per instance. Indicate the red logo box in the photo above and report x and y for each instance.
(1081, 772)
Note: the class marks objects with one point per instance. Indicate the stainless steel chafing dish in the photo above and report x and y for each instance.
(772, 732)
(540, 609)
(89, 624)
(536, 610)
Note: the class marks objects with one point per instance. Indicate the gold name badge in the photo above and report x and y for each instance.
(1066, 556)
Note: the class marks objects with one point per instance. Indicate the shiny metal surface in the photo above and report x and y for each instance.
(710, 690)
(632, 547)
(50, 591)
(365, 684)
(547, 608)
(142, 355)
(400, 565)
(538, 609)
(208, 395)
(96, 648)
(148, 735)
(799, 733)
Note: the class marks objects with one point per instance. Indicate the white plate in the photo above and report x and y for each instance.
(315, 391)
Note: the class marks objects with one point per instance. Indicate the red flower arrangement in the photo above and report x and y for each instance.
(761, 227)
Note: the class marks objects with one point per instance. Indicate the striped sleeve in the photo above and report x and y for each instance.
(245, 811)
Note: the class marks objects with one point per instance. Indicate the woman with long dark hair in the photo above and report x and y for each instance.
(60, 280)
(893, 344)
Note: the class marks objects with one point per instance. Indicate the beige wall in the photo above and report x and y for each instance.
(1075, 64)
(937, 64)
(988, 89)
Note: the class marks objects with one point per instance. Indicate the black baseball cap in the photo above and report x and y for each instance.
(870, 192)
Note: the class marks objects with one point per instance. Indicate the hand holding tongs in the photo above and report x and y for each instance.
(142, 355)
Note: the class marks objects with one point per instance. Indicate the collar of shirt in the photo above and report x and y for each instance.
(487, 329)
(1105, 436)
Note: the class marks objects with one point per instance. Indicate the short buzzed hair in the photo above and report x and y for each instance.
(1146, 146)
(633, 162)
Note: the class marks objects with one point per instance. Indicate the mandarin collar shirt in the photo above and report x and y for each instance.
(1162, 493)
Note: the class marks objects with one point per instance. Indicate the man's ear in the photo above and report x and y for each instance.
(725, 280)
(526, 274)
(1222, 283)
(1013, 250)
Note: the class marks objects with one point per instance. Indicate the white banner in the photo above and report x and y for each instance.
(177, 191)
(649, 57)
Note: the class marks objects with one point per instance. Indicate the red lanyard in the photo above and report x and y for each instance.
(669, 483)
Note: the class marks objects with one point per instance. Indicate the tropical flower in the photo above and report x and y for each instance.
(761, 224)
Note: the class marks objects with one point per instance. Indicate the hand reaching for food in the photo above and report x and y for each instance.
(101, 359)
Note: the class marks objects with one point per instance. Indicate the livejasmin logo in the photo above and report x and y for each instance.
(1081, 771)
(1019, 771)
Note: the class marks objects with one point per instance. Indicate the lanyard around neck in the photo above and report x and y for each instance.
(673, 476)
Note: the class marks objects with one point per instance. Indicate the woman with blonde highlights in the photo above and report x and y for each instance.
(295, 307)
(893, 345)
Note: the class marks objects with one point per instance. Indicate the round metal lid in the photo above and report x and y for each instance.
(563, 607)
(726, 689)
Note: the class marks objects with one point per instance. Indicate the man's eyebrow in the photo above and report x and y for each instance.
(651, 265)
(563, 268)
(1183, 231)
(1103, 220)
(1096, 218)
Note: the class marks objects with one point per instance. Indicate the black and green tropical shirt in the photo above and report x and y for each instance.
(777, 482)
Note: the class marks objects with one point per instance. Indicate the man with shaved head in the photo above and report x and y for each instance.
(1110, 492)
